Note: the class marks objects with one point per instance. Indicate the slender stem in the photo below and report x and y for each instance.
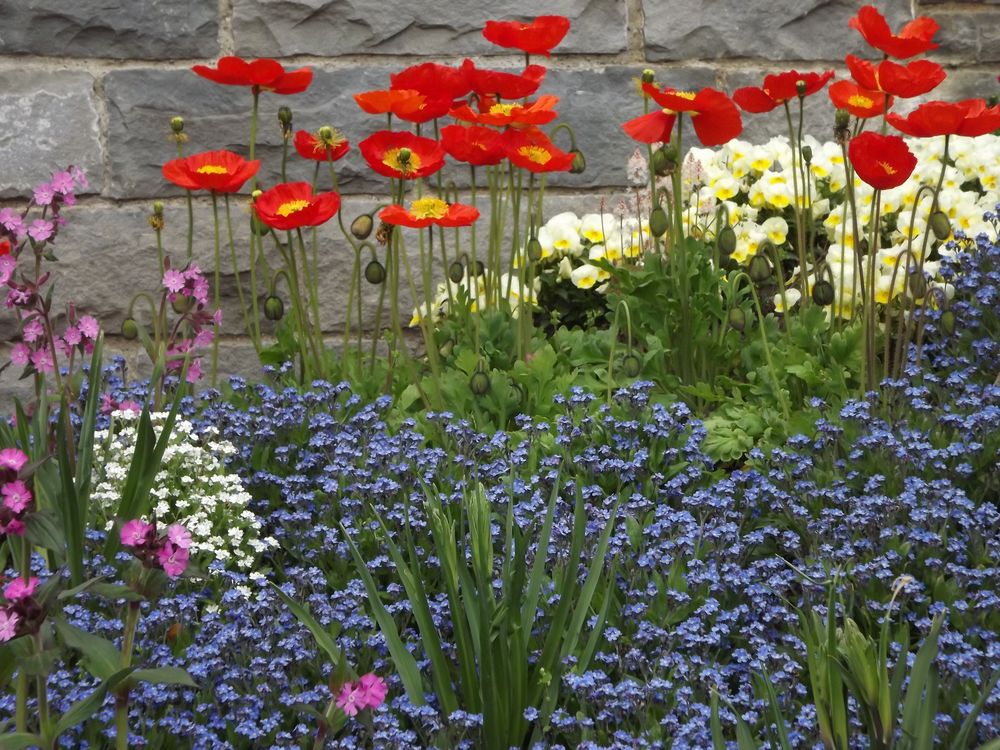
(121, 702)
(239, 284)
(218, 283)
(190, 207)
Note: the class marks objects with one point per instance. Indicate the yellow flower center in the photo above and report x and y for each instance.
(392, 161)
(689, 95)
(428, 208)
(213, 169)
(536, 154)
(889, 169)
(502, 109)
(858, 100)
(291, 207)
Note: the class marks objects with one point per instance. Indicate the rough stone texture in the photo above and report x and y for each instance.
(969, 35)
(780, 30)
(413, 27)
(48, 120)
(148, 29)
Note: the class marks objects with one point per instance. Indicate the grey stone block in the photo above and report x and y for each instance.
(144, 29)
(780, 30)
(969, 35)
(414, 27)
(48, 120)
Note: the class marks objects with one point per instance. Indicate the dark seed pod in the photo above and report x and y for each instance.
(274, 308)
(948, 322)
(534, 250)
(479, 268)
(130, 329)
(658, 222)
(760, 269)
(940, 225)
(727, 240)
(863, 246)
(374, 273)
(737, 319)
(807, 154)
(456, 271)
(631, 365)
(479, 383)
(823, 293)
(362, 226)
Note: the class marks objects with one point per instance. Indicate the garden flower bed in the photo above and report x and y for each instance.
(715, 466)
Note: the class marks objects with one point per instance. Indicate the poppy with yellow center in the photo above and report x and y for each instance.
(218, 171)
(292, 205)
(531, 149)
(402, 155)
(429, 211)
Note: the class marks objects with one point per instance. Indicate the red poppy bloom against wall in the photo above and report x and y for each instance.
(260, 75)
(316, 146)
(913, 39)
(882, 161)
(292, 205)
(858, 101)
(499, 84)
(219, 171)
(475, 144)
(531, 149)
(905, 81)
(406, 104)
(424, 212)
(535, 38)
(401, 154)
(433, 80)
(779, 88)
(716, 118)
(970, 117)
(509, 114)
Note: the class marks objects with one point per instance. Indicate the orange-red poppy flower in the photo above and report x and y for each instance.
(220, 171)
(858, 101)
(531, 149)
(716, 118)
(433, 80)
(406, 104)
(292, 205)
(779, 88)
(883, 161)
(514, 114)
(535, 38)
(499, 84)
(424, 212)
(402, 155)
(321, 146)
(473, 144)
(970, 117)
(905, 81)
(913, 39)
(260, 75)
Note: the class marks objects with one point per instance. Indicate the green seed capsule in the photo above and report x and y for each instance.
(274, 308)
(661, 162)
(479, 383)
(727, 240)
(940, 225)
(130, 329)
(948, 322)
(182, 304)
(917, 284)
(480, 269)
(823, 293)
(375, 273)
(456, 272)
(658, 222)
(760, 269)
(631, 365)
(534, 250)
(362, 226)
(737, 319)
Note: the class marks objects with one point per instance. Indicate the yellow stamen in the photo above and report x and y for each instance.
(392, 161)
(502, 109)
(536, 154)
(858, 100)
(212, 169)
(291, 207)
(889, 169)
(428, 208)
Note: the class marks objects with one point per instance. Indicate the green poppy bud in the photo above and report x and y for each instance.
(456, 271)
(948, 322)
(374, 273)
(479, 268)
(130, 329)
(737, 319)
(660, 163)
(842, 119)
(760, 269)
(658, 221)
(362, 226)
(534, 250)
(648, 75)
(258, 227)
(917, 284)
(274, 308)
(631, 365)
(727, 240)
(940, 225)
(823, 293)
(807, 154)
(177, 124)
(579, 162)
(285, 115)
(158, 208)
(182, 303)
(479, 383)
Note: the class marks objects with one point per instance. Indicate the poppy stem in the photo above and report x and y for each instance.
(218, 283)
(248, 322)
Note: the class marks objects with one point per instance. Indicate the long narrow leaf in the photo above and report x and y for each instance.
(319, 633)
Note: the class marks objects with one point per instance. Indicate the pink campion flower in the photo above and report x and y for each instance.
(72, 336)
(173, 280)
(33, 330)
(18, 589)
(44, 194)
(20, 354)
(13, 459)
(68, 199)
(40, 230)
(14, 527)
(179, 536)
(8, 264)
(136, 533)
(18, 297)
(373, 689)
(130, 406)
(16, 496)
(173, 559)
(350, 699)
(203, 338)
(10, 220)
(89, 326)
(42, 360)
(194, 373)
(8, 624)
(62, 182)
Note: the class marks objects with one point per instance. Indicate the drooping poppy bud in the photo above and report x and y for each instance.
(823, 293)
(274, 308)
(940, 225)
(727, 240)
(362, 226)
(631, 365)
(737, 319)
(374, 273)
(759, 270)
(658, 221)
(479, 383)
(456, 271)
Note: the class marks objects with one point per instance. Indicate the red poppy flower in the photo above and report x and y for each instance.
(292, 205)
(779, 88)
(531, 149)
(402, 155)
(406, 104)
(260, 75)
(474, 144)
(883, 161)
(970, 117)
(424, 212)
(913, 39)
(502, 85)
(716, 119)
(433, 80)
(511, 114)
(220, 171)
(905, 81)
(858, 101)
(535, 38)
(316, 146)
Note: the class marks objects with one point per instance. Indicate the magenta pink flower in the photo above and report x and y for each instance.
(8, 264)
(350, 699)
(20, 354)
(40, 230)
(18, 589)
(16, 496)
(14, 527)
(72, 336)
(173, 280)
(136, 533)
(8, 624)
(11, 221)
(33, 330)
(194, 372)
(179, 536)
(89, 326)
(173, 559)
(130, 406)
(373, 690)
(42, 360)
(44, 194)
(62, 182)
(13, 459)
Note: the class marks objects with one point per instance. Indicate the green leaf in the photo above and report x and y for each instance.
(85, 708)
(302, 613)
(163, 676)
(718, 738)
(100, 657)
(42, 530)
(19, 740)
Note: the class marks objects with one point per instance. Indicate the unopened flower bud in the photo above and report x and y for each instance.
(948, 322)
(362, 226)
(863, 246)
(256, 194)
(658, 221)
(285, 116)
(737, 319)
(158, 207)
(182, 303)
(534, 250)
(760, 269)
(823, 293)
(130, 329)
(258, 227)
(727, 240)
(479, 383)
(917, 284)
(631, 365)
(842, 119)
(456, 271)
(177, 124)
(800, 88)
(274, 308)
(807, 154)
(479, 268)
(661, 165)
(579, 162)
(374, 272)
(648, 75)
(940, 225)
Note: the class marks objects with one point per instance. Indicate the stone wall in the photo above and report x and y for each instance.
(94, 83)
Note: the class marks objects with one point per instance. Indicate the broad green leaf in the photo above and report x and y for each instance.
(163, 676)
(100, 657)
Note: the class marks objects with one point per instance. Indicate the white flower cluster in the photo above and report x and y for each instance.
(754, 185)
(192, 488)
